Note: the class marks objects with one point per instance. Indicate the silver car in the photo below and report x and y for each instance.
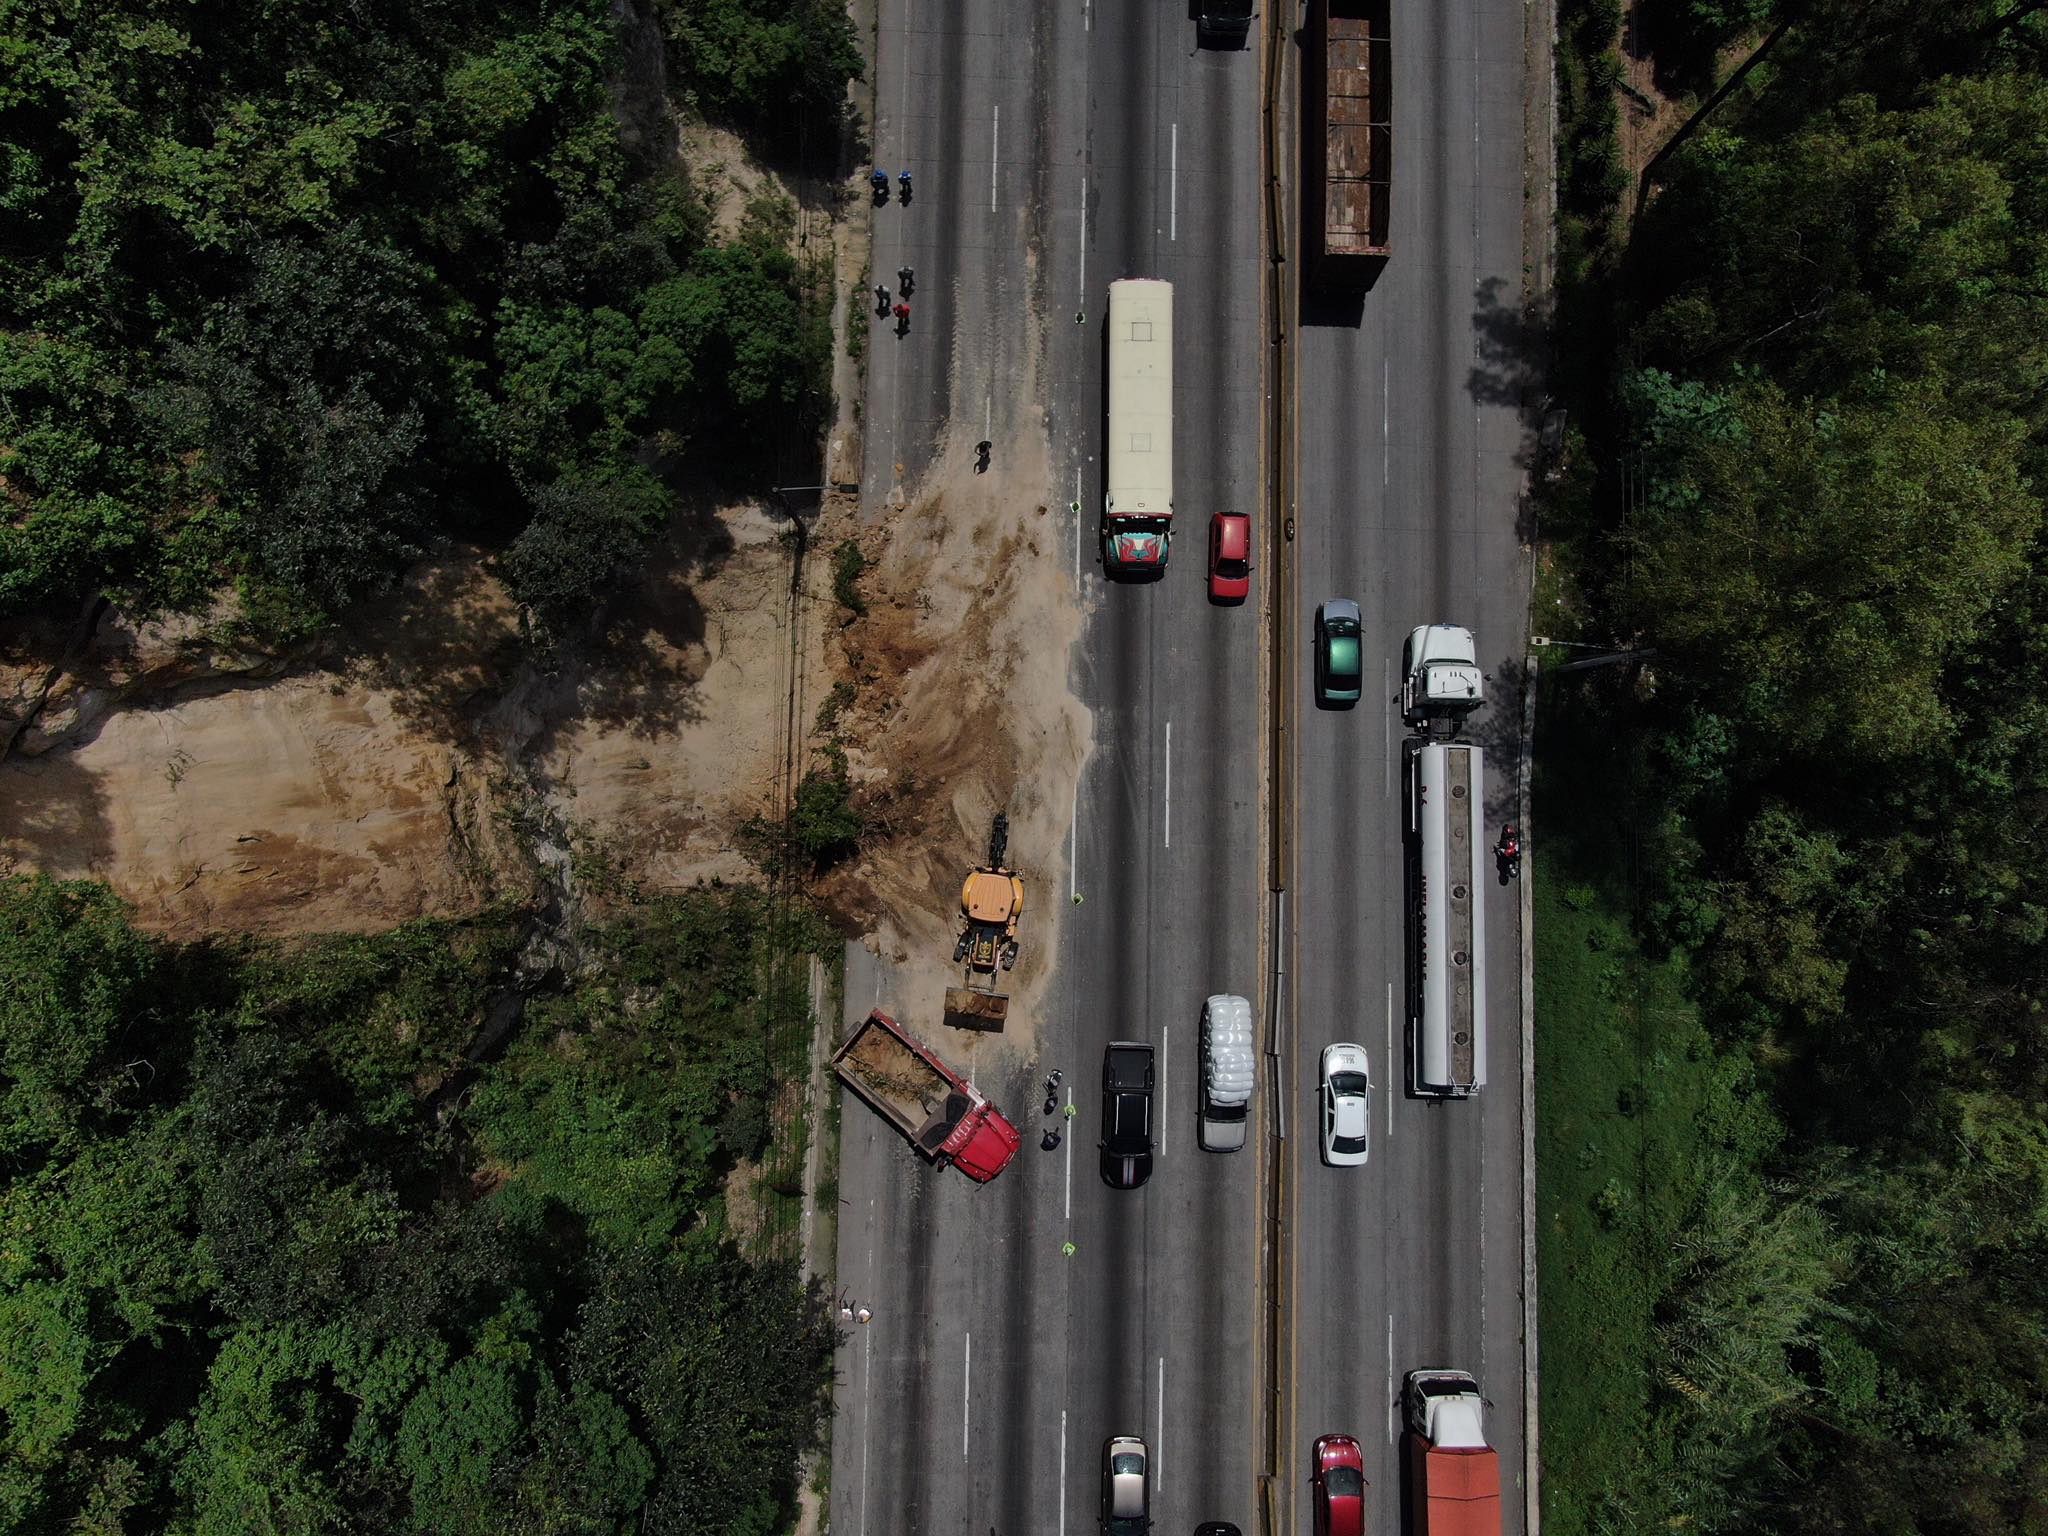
(1347, 1105)
(1126, 1486)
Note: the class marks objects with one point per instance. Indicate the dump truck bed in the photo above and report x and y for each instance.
(943, 1114)
(905, 1083)
(1347, 140)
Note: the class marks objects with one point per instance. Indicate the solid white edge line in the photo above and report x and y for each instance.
(1067, 1137)
(1390, 1378)
(1386, 432)
(1169, 783)
(867, 1376)
(966, 1394)
(1159, 1433)
(1387, 1063)
(1063, 1470)
(994, 146)
(1082, 301)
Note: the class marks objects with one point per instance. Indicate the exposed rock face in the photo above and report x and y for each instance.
(416, 763)
(286, 807)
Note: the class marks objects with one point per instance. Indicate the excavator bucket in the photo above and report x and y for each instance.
(969, 1008)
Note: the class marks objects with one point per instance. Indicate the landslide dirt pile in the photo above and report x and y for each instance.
(960, 708)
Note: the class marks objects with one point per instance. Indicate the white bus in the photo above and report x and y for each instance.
(1446, 837)
(1137, 503)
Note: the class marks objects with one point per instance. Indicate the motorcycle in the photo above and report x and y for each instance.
(1507, 854)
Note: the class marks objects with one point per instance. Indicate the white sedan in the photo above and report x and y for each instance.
(1347, 1105)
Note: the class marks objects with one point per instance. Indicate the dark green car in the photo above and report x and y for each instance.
(1340, 647)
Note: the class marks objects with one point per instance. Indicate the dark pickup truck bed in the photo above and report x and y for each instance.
(1127, 1084)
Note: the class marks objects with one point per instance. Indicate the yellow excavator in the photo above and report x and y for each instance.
(991, 901)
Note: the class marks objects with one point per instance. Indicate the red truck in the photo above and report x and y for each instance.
(943, 1114)
(1347, 149)
(1453, 1474)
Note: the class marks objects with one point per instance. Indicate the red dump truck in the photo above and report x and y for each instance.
(942, 1113)
(1346, 143)
(1453, 1474)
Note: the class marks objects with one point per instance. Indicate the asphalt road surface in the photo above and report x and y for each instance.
(1055, 148)
(1408, 485)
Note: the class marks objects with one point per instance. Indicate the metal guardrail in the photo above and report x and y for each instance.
(1277, 23)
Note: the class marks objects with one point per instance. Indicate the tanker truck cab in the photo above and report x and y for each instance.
(1441, 681)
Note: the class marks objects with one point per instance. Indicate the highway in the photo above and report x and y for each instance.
(1056, 148)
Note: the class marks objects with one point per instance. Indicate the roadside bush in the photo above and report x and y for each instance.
(847, 564)
(826, 824)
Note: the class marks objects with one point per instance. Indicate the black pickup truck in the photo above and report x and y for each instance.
(1126, 1114)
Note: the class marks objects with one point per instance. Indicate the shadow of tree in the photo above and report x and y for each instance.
(53, 815)
(1497, 729)
(1510, 345)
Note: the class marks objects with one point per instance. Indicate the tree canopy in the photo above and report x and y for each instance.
(290, 294)
(279, 1257)
(1813, 487)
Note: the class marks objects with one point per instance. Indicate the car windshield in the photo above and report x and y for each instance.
(1233, 568)
(1344, 1482)
(1349, 1083)
(1348, 1143)
(1127, 1464)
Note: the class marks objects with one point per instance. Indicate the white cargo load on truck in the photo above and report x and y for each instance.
(1440, 675)
(1227, 1072)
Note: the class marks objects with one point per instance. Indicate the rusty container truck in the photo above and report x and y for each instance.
(944, 1115)
(1453, 1474)
(1346, 143)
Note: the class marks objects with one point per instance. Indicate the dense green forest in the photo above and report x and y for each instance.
(278, 1254)
(356, 1236)
(290, 293)
(1796, 1209)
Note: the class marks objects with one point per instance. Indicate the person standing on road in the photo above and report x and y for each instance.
(904, 277)
(881, 300)
(902, 318)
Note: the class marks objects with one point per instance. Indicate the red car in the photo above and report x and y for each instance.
(1340, 1487)
(1230, 557)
